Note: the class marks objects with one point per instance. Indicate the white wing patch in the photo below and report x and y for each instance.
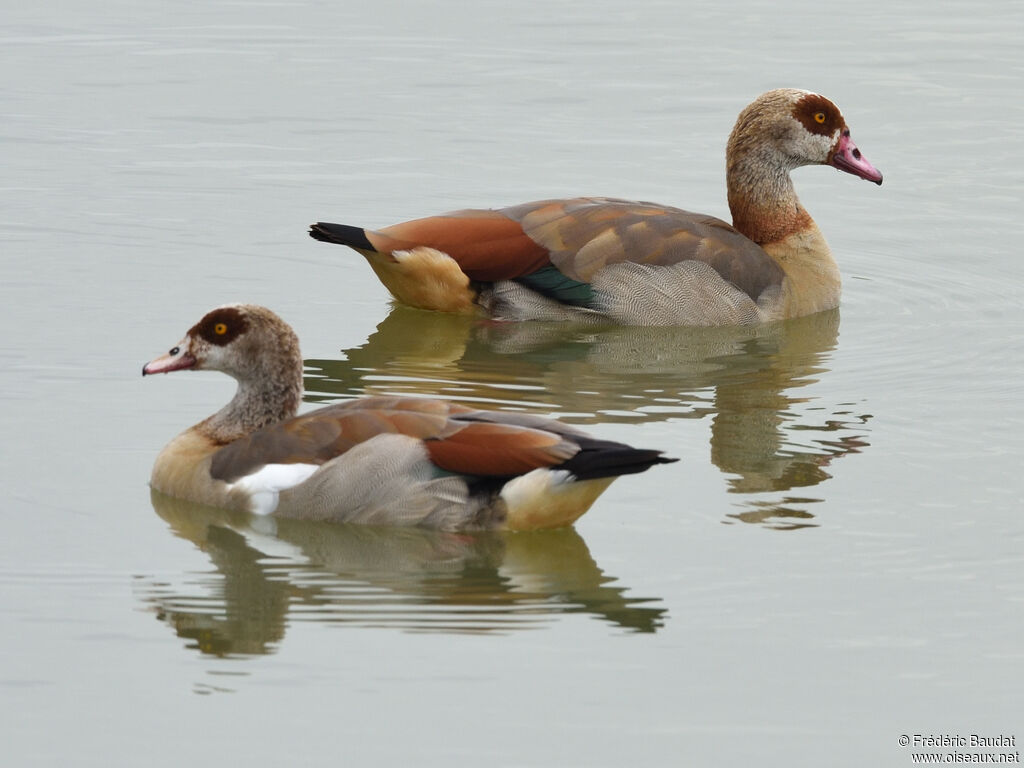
(265, 485)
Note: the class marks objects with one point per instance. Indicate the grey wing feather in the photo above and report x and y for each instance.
(586, 235)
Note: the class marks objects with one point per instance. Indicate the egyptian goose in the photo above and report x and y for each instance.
(636, 263)
(378, 460)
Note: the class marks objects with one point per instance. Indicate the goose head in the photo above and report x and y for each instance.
(788, 128)
(256, 348)
(242, 340)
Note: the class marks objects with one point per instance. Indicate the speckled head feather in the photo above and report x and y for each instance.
(237, 339)
(779, 131)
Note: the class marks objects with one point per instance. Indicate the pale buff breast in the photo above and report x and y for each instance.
(182, 470)
(812, 283)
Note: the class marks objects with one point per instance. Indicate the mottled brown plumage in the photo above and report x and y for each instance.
(633, 262)
(381, 460)
(615, 231)
(458, 439)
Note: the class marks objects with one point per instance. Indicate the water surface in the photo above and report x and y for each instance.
(835, 560)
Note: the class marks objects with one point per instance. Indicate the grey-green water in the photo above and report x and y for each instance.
(837, 558)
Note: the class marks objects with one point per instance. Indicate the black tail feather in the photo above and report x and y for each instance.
(604, 458)
(341, 234)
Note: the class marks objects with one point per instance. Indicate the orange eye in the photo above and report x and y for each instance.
(819, 117)
(220, 329)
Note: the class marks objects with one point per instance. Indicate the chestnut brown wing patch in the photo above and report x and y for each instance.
(498, 450)
(487, 245)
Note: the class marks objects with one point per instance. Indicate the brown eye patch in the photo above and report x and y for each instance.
(221, 326)
(818, 115)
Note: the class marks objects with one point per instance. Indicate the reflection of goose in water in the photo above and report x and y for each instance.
(408, 578)
(766, 437)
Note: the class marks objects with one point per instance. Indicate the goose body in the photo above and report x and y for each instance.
(377, 460)
(637, 263)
